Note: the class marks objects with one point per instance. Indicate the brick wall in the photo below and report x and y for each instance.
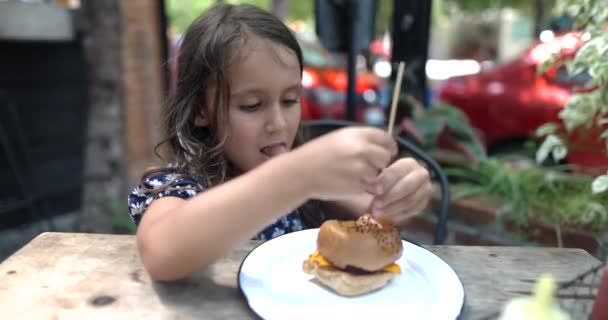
(143, 83)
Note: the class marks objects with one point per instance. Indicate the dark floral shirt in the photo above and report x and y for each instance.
(184, 186)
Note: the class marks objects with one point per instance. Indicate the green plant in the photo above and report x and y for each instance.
(441, 128)
(587, 110)
(121, 222)
(536, 194)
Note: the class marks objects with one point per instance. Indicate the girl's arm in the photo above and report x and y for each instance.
(176, 237)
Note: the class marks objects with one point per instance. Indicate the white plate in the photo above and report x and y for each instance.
(275, 287)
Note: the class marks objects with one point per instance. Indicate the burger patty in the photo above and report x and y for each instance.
(357, 271)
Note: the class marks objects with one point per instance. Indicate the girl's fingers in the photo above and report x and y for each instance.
(368, 174)
(408, 185)
(405, 206)
(387, 179)
(381, 138)
(378, 156)
(400, 220)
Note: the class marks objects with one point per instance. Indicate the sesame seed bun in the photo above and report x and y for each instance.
(353, 257)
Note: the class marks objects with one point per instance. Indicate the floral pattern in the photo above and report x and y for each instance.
(184, 187)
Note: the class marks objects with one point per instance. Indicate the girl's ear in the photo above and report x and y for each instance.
(201, 120)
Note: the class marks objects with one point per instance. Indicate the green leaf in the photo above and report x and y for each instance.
(601, 14)
(432, 123)
(429, 127)
(551, 143)
(559, 152)
(603, 101)
(546, 129)
(543, 67)
(594, 212)
(468, 192)
(600, 184)
(580, 110)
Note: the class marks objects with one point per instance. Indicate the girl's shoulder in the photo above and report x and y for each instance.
(161, 184)
(166, 180)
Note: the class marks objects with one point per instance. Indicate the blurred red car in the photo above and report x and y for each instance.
(325, 82)
(508, 103)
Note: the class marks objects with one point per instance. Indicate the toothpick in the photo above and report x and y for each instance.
(396, 91)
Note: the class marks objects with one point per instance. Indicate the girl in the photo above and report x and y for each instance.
(230, 127)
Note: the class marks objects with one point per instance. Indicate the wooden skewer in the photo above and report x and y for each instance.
(396, 91)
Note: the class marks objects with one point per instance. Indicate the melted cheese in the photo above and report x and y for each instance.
(322, 262)
(392, 268)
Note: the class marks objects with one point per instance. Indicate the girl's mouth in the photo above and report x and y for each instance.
(274, 150)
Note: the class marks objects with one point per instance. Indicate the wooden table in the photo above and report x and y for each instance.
(95, 276)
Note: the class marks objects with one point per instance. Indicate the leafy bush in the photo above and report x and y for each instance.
(587, 109)
(537, 194)
(441, 128)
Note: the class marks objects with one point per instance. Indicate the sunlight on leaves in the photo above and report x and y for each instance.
(559, 152)
(552, 145)
(548, 63)
(600, 184)
(546, 129)
(594, 212)
(580, 110)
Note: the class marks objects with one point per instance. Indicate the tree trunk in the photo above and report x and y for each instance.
(104, 173)
(280, 8)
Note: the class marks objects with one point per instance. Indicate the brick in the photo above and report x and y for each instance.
(546, 235)
(421, 224)
(464, 238)
(583, 240)
(478, 210)
(142, 82)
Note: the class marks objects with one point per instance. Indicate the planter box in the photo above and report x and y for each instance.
(478, 220)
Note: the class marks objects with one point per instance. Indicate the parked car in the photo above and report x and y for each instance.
(509, 102)
(325, 82)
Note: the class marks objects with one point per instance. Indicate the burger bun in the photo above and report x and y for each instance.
(346, 283)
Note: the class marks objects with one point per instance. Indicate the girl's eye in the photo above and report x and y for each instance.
(250, 107)
(291, 102)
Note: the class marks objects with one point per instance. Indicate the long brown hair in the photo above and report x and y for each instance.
(209, 46)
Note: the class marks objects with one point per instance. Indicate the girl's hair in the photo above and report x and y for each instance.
(209, 46)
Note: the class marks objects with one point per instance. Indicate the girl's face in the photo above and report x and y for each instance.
(264, 111)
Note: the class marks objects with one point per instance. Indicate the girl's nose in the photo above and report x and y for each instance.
(276, 119)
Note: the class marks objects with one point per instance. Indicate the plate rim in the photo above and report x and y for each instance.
(244, 296)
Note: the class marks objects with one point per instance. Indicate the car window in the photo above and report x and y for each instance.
(578, 79)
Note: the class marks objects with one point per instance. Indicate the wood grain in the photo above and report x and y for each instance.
(96, 276)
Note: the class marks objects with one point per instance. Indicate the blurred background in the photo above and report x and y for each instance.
(82, 82)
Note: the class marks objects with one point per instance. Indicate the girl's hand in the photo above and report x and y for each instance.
(401, 191)
(344, 162)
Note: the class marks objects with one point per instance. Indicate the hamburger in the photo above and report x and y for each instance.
(355, 257)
